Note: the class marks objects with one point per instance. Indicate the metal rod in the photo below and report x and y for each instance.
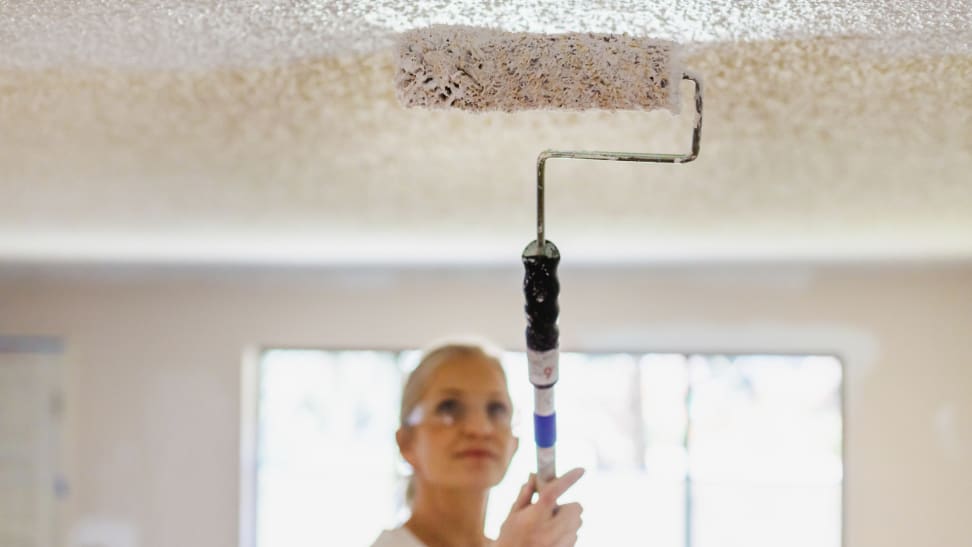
(619, 156)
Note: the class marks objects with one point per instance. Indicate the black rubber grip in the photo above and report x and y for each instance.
(541, 288)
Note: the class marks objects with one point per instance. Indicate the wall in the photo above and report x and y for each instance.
(155, 369)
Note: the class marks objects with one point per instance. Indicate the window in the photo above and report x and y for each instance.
(681, 450)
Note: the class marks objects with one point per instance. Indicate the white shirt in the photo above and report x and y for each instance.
(399, 537)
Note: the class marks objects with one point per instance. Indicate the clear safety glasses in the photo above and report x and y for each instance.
(451, 411)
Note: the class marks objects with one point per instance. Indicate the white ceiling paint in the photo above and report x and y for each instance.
(179, 35)
(268, 132)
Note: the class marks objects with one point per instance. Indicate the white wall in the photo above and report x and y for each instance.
(155, 369)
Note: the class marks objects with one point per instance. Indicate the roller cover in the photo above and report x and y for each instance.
(477, 69)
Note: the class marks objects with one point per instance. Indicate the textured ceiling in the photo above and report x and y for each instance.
(261, 131)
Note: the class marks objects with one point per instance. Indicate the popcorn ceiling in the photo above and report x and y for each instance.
(185, 34)
(453, 66)
(808, 150)
(837, 128)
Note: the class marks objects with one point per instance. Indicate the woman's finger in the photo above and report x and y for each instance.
(570, 510)
(526, 494)
(555, 488)
(566, 522)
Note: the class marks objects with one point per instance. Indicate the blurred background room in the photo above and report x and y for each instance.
(223, 241)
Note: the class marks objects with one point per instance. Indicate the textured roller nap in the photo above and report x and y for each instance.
(478, 69)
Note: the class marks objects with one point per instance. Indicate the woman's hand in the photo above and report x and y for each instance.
(544, 523)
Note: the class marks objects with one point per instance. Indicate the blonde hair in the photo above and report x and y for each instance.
(418, 381)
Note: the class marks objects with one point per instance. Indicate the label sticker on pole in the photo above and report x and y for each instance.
(544, 367)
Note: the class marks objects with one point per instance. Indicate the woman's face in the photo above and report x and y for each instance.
(462, 436)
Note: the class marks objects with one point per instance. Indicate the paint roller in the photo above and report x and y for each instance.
(477, 69)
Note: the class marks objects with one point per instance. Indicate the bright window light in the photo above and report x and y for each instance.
(681, 450)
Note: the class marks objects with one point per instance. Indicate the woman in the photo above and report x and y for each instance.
(456, 433)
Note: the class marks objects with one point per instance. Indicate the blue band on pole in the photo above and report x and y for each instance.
(545, 430)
